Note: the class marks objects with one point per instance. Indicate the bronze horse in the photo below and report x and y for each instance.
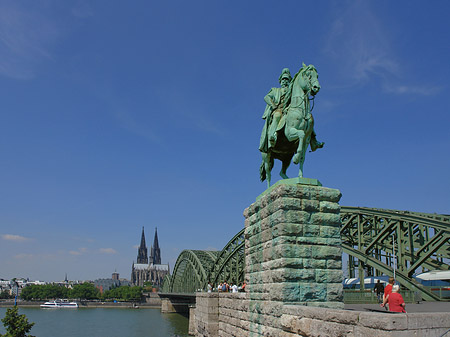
(297, 131)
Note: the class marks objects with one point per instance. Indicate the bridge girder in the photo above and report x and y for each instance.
(377, 237)
(369, 235)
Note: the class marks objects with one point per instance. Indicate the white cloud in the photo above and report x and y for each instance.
(411, 89)
(359, 44)
(23, 256)
(13, 237)
(108, 251)
(80, 251)
(74, 252)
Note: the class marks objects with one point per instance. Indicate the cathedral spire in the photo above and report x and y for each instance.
(142, 250)
(143, 238)
(156, 252)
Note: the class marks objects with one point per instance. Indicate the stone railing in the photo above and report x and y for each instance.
(227, 315)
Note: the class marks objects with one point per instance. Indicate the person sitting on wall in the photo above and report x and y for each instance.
(395, 300)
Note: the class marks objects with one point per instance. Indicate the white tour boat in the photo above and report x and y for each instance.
(59, 304)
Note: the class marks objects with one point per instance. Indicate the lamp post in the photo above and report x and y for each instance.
(393, 254)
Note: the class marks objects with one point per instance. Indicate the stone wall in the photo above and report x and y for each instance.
(234, 316)
(206, 315)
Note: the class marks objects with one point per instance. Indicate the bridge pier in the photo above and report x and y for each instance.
(176, 303)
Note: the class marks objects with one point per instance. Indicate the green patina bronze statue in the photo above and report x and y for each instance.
(289, 124)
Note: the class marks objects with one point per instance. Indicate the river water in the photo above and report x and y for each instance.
(103, 322)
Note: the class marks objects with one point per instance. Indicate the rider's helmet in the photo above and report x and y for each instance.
(285, 73)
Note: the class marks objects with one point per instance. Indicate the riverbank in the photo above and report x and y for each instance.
(85, 304)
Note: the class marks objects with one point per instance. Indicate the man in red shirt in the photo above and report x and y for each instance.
(395, 300)
(387, 291)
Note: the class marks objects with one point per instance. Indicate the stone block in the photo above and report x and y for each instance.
(335, 292)
(313, 327)
(328, 276)
(303, 240)
(326, 219)
(324, 314)
(361, 331)
(292, 275)
(427, 320)
(334, 264)
(329, 207)
(310, 206)
(383, 321)
(314, 263)
(287, 229)
(283, 263)
(330, 232)
(325, 252)
(311, 230)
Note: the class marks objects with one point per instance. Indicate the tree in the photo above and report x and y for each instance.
(16, 325)
(85, 291)
(5, 295)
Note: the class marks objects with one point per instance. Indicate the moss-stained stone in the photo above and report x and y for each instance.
(293, 252)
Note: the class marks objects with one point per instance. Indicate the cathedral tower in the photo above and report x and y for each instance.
(156, 252)
(142, 256)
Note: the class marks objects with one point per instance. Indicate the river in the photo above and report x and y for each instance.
(102, 322)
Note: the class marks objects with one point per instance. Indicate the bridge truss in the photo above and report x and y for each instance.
(377, 241)
(195, 268)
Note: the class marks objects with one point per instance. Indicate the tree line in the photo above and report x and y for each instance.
(84, 291)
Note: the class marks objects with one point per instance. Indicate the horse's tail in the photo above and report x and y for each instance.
(262, 171)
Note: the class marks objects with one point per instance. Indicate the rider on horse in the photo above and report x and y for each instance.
(274, 113)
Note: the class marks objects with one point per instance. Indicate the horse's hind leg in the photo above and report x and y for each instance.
(284, 167)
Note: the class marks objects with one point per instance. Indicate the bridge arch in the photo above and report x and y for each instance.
(190, 271)
(230, 263)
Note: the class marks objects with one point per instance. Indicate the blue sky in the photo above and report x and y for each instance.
(115, 116)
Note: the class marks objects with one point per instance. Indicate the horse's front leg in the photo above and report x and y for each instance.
(293, 134)
(268, 166)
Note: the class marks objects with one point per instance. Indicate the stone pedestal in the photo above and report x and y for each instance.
(293, 245)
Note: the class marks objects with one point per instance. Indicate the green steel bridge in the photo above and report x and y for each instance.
(371, 239)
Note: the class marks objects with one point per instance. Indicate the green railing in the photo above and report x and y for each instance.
(368, 296)
(442, 292)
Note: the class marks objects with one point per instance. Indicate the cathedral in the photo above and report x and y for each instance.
(149, 269)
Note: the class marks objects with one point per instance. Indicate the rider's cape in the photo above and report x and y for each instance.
(274, 95)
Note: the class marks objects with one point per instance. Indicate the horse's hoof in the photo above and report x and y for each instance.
(296, 159)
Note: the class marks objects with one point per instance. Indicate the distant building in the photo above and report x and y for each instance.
(115, 276)
(104, 284)
(149, 269)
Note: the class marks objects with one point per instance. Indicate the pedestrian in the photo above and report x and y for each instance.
(209, 287)
(387, 291)
(395, 300)
(225, 287)
(234, 288)
(243, 287)
(379, 290)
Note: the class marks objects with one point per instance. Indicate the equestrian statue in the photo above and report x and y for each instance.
(289, 124)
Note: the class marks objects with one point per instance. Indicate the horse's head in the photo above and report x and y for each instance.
(310, 79)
